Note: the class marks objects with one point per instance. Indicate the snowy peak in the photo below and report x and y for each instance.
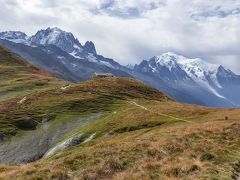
(171, 66)
(15, 36)
(63, 40)
(55, 36)
(51, 36)
(195, 68)
(199, 69)
(168, 60)
(191, 79)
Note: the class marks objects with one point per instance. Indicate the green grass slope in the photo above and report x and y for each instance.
(20, 78)
(94, 96)
(142, 134)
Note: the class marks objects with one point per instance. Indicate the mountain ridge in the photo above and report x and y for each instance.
(181, 72)
(68, 59)
(63, 40)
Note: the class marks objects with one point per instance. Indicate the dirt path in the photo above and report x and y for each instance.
(65, 87)
(161, 114)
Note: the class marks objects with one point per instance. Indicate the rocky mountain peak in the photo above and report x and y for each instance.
(90, 47)
(55, 36)
(13, 35)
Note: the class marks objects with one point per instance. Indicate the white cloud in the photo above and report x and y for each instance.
(132, 30)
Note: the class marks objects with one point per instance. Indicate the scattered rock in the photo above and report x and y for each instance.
(22, 100)
(65, 87)
(90, 138)
(68, 143)
(26, 123)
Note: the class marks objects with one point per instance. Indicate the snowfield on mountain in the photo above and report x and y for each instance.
(190, 80)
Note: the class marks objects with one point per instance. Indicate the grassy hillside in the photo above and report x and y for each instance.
(20, 78)
(94, 96)
(141, 133)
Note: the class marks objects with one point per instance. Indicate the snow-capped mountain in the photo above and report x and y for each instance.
(15, 36)
(55, 36)
(63, 40)
(62, 48)
(193, 80)
(201, 72)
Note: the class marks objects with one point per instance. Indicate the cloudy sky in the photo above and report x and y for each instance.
(132, 30)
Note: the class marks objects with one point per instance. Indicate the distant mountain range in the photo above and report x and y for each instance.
(191, 80)
(60, 53)
(187, 80)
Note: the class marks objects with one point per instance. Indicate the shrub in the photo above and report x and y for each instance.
(207, 157)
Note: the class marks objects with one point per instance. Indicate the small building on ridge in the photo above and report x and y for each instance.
(101, 75)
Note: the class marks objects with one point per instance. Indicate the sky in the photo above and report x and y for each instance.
(132, 30)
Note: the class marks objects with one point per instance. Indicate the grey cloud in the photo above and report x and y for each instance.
(216, 13)
(112, 8)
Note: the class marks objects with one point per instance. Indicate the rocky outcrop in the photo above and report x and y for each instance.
(65, 144)
(33, 145)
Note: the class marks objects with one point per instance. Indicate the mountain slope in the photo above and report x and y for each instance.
(190, 80)
(19, 77)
